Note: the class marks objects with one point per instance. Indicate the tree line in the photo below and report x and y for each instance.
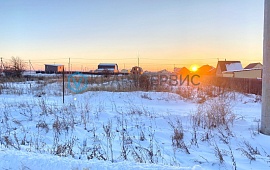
(14, 67)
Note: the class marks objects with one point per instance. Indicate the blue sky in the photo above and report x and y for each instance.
(161, 33)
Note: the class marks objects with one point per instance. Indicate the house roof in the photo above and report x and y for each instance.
(182, 70)
(107, 64)
(53, 64)
(252, 65)
(100, 69)
(205, 69)
(164, 71)
(223, 64)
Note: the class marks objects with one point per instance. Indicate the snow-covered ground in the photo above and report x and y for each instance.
(127, 130)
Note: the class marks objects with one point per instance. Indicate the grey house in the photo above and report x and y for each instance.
(53, 68)
(107, 67)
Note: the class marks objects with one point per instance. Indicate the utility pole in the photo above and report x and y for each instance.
(1, 65)
(63, 85)
(30, 72)
(69, 65)
(265, 115)
(30, 67)
(138, 59)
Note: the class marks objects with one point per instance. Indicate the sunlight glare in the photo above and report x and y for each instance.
(194, 68)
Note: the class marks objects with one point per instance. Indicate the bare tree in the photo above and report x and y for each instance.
(16, 67)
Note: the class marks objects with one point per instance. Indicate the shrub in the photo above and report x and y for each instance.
(213, 114)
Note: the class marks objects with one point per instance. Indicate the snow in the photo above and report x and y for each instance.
(234, 67)
(11, 159)
(84, 116)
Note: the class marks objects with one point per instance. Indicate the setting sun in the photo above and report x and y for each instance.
(194, 68)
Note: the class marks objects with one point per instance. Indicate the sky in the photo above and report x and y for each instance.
(163, 34)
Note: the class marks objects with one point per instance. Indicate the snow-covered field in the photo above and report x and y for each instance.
(128, 130)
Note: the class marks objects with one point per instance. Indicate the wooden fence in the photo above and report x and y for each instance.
(244, 85)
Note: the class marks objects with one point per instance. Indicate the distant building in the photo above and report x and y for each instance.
(164, 72)
(234, 69)
(107, 68)
(254, 66)
(136, 70)
(181, 71)
(224, 66)
(245, 73)
(206, 70)
(125, 71)
(53, 68)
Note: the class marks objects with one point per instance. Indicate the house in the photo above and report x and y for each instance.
(254, 66)
(234, 69)
(136, 70)
(125, 71)
(227, 66)
(181, 71)
(245, 73)
(206, 70)
(53, 68)
(107, 68)
(164, 72)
